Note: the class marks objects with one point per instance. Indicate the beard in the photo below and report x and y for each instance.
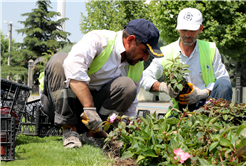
(129, 57)
(188, 43)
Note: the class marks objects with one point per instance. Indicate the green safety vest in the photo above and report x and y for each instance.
(134, 72)
(206, 54)
(41, 81)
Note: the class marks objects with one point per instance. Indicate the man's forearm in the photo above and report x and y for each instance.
(81, 90)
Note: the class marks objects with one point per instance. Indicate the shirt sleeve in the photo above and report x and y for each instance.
(81, 56)
(219, 69)
(152, 73)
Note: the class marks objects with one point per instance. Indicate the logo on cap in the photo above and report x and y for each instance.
(188, 16)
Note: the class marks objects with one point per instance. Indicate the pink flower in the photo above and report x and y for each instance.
(183, 156)
(112, 117)
(209, 101)
(131, 123)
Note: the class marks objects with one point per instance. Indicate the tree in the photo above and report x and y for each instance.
(14, 69)
(42, 34)
(112, 15)
(3, 48)
(224, 23)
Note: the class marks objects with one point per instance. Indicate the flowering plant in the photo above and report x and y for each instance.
(182, 155)
(174, 73)
(193, 138)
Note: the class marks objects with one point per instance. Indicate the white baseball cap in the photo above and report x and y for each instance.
(189, 19)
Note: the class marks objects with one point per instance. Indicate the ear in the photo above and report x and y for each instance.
(131, 39)
(201, 28)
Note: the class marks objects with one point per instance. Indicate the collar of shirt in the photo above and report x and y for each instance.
(183, 56)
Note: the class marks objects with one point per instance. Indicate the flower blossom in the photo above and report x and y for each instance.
(113, 117)
(208, 101)
(131, 123)
(183, 156)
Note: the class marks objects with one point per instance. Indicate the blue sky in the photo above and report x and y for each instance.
(11, 10)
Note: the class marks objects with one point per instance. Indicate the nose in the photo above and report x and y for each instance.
(188, 33)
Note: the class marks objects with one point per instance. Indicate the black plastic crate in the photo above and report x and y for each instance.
(35, 122)
(14, 96)
(8, 132)
(143, 113)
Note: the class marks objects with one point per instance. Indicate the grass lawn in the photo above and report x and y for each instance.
(33, 150)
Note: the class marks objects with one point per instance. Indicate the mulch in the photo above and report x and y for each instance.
(113, 153)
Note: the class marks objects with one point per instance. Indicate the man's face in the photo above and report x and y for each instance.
(188, 37)
(136, 53)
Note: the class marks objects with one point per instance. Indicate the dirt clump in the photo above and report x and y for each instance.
(113, 152)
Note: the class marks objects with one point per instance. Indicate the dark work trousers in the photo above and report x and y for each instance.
(222, 89)
(61, 105)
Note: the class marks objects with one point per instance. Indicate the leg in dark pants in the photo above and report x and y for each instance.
(222, 89)
(116, 96)
(59, 102)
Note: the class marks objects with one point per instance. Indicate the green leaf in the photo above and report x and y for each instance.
(126, 155)
(149, 153)
(213, 120)
(225, 117)
(144, 120)
(225, 142)
(106, 127)
(228, 151)
(193, 120)
(140, 157)
(186, 71)
(203, 162)
(153, 137)
(161, 146)
(140, 139)
(174, 144)
(215, 137)
(241, 144)
(240, 129)
(213, 145)
(180, 87)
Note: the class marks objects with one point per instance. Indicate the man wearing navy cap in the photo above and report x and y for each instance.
(100, 76)
(208, 76)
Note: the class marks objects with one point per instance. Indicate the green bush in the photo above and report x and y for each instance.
(204, 135)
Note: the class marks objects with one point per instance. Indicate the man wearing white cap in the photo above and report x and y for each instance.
(208, 76)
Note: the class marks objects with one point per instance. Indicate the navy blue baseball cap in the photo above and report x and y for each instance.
(147, 33)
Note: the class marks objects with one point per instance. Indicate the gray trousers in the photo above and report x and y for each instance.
(62, 106)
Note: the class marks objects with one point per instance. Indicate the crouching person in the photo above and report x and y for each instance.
(100, 76)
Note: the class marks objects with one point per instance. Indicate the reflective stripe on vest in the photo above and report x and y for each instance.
(41, 81)
(206, 54)
(134, 72)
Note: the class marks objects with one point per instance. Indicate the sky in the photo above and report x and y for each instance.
(11, 10)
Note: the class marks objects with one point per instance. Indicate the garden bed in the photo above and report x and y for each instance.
(212, 135)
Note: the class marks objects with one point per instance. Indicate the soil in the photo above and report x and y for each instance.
(113, 153)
